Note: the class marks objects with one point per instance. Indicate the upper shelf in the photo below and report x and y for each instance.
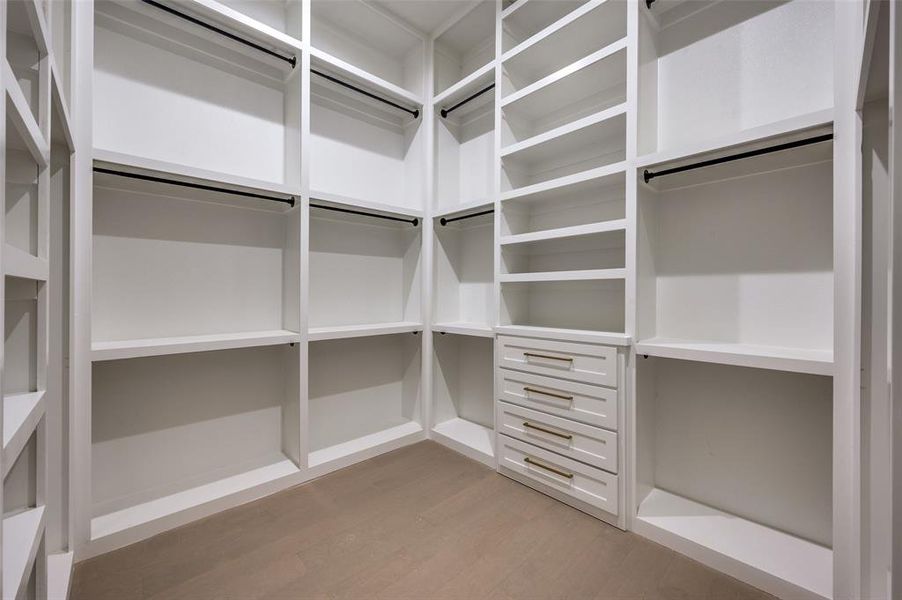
(524, 18)
(345, 71)
(463, 90)
(794, 132)
(203, 184)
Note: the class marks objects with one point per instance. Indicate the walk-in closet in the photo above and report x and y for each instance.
(450, 298)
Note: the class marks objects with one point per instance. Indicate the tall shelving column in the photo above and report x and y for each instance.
(562, 267)
(462, 212)
(27, 82)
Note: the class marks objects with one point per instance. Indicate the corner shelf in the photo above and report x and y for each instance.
(470, 84)
(549, 187)
(566, 138)
(470, 439)
(137, 348)
(340, 332)
(796, 360)
(364, 447)
(464, 328)
(22, 533)
(564, 232)
(573, 335)
(21, 414)
(782, 564)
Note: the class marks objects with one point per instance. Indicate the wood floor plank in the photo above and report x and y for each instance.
(421, 522)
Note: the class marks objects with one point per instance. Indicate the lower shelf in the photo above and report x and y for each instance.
(361, 445)
(470, 439)
(173, 504)
(339, 332)
(22, 534)
(777, 562)
(139, 348)
(464, 328)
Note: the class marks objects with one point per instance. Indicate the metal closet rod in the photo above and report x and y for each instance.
(649, 175)
(196, 186)
(413, 221)
(447, 111)
(445, 221)
(648, 3)
(415, 112)
(292, 60)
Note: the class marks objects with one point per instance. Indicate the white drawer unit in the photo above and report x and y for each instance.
(560, 476)
(590, 404)
(588, 363)
(592, 445)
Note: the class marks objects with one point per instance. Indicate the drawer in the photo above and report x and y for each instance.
(564, 475)
(589, 363)
(587, 403)
(578, 441)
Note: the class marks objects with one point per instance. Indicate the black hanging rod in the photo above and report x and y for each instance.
(413, 221)
(415, 112)
(196, 186)
(649, 175)
(292, 60)
(445, 221)
(447, 111)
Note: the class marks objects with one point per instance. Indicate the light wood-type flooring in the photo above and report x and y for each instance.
(422, 522)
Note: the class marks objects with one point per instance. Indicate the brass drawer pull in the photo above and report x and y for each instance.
(543, 392)
(548, 356)
(547, 468)
(543, 430)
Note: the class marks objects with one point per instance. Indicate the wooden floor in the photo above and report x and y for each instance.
(420, 523)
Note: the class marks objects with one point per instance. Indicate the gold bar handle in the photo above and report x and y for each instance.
(549, 431)
(543, 392)
(548, 356)
(547, 468)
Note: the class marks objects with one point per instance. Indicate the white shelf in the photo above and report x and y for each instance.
(148, 166)
(575, 77)
(470, 84)
(548, 188)
(21, 414)
(340, 332)
(363, 447)
(557, 333)
(116, 350)
(321, 60)
(23, 119)
(745, 137)
(35, 12)
(551, 29)
(210, 10)
(777, 562)
(466, 207)
(62, 122)
(22, 533)
(796, 360)
(18, 263)
(188, 500)
(463, 328)
(59, 575)
(564, 139)
(339, 201)
(468, 438)
(586, 275)
(564, 232)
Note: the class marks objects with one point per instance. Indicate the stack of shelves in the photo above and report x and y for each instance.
(464, 232)
(195, 318)
(366, 188)
(562, 160)
(735, 290)
(37, 143)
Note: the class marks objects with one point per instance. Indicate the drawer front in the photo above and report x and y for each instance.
(589, 363)
(590, 485)
(578, 441)
(587, 403)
